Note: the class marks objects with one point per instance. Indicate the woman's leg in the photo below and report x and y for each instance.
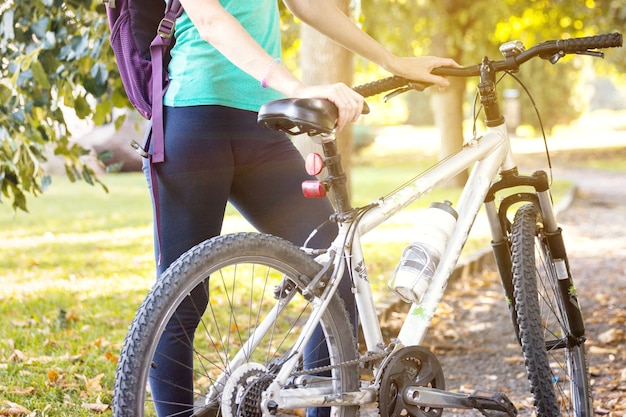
(267, 190)
(212, 154)
(193, 187)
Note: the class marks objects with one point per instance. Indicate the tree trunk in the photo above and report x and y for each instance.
(322, 62)
(448, 111)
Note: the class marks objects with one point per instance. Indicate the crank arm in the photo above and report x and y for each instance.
(324, 396)
(435, 398)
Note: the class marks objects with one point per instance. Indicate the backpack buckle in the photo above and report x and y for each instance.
(166, 27)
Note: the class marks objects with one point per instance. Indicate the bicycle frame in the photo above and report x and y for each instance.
(488, 155)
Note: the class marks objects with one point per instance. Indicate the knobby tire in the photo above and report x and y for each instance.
(241, 273)
(556, 364)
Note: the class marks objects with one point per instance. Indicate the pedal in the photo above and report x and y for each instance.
(488, 403)
(493, 401)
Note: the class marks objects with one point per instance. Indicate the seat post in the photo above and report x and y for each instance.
(337, 180)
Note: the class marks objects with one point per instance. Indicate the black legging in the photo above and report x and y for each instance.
(213, 155)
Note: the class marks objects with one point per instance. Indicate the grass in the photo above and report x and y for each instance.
(74, 270)
(72, 274)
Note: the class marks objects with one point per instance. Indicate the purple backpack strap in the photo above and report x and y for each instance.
(158, 49)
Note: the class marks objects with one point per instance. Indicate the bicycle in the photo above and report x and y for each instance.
(266, 296)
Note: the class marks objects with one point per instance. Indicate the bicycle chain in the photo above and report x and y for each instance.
(363, 359)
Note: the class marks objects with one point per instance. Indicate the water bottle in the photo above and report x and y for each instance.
(420, 258)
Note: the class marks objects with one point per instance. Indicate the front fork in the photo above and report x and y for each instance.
(551, 236)
(500, 226)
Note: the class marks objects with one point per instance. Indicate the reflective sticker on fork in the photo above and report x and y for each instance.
(561, 269)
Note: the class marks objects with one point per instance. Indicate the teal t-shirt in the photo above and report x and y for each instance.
(201, 75)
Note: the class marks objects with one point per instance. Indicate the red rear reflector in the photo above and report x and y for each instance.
(313, 189)
(314, 164)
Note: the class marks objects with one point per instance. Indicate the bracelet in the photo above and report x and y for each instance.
(267, 72)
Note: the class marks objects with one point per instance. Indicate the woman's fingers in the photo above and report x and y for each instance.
(349, 103)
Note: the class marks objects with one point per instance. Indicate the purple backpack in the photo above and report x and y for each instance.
(141, 37)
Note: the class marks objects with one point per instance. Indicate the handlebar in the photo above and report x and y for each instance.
(552, 50)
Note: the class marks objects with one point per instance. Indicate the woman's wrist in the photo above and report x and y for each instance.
(268, 71)
(390, 62)
(279, 78)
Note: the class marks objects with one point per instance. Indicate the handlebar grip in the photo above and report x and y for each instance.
(381, 86)
(573, 45)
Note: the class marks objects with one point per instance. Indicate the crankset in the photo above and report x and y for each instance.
(488, 403)
(413, 384)
(409, 367)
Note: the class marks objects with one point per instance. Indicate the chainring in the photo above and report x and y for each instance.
(409, 366)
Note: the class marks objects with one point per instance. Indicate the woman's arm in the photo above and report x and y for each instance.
(326, 17)
(225, 33)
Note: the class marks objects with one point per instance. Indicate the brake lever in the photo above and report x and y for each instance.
(557, 56)
(596, 54)
(395, 93)
(410, 86)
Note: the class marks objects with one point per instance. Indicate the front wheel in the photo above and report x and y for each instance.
(555, 360)
(217, 327)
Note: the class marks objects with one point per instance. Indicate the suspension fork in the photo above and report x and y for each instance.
(552, 238)
(554, 241)
(541, 198)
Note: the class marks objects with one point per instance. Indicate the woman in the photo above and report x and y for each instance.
(225, 65)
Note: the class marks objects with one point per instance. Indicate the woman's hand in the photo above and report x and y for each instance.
(348, 102)
(420, 68)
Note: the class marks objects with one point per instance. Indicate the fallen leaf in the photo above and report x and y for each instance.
(610, 336)
(111, 357)
(17, 356)
(99, 408)
(13, 409)
(23, 391)
(597, 350)
(53, 375)
(94, 384)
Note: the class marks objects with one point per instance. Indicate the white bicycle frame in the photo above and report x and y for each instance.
(488, 154)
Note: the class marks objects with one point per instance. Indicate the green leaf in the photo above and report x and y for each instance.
(46, 182)
(103, 111)
(19, 200)
(6, 26)
(40, 27)
(119, 98)
(71, 173)
(114, 168)
(5, 93)
(105, 155)
(81, 107)
(87, 175)
(120, 121)
(99, 73)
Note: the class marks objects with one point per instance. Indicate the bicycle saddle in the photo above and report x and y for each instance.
(295, 116)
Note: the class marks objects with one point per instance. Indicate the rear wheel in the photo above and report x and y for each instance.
(556, 361)
(240, 278)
